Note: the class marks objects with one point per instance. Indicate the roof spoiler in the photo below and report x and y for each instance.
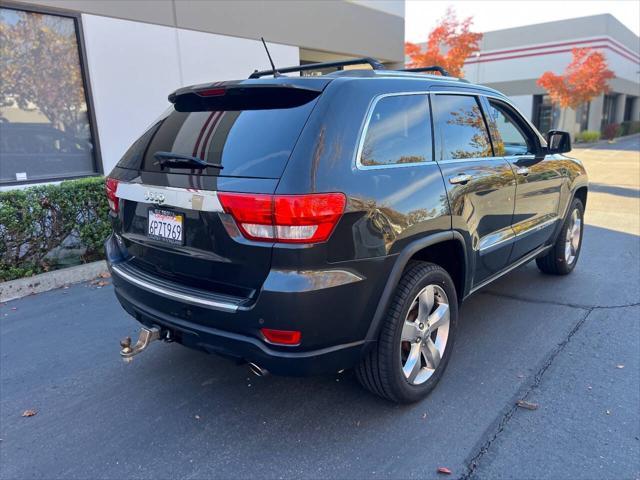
(203, 98)
(375, 64)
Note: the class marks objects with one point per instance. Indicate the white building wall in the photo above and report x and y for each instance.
(524, 103)
(134, 66)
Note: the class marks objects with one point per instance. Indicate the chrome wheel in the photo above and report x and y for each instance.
(572, 240)
(424, 334)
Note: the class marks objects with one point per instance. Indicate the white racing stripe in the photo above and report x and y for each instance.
(201, 200)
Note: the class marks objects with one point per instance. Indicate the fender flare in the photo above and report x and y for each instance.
(576, 186)
(398, 268)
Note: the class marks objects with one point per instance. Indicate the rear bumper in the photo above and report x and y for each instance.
(333, 310)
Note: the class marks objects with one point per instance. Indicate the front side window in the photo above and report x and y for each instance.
(510, 140)
(398, 132)
(462, 132)
(44, 127)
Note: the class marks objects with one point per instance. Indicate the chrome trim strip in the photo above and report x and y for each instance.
(520, 262)
(515, 236)
(537, 227)
(365, 127)
(484, 248)
(191, 299)
(189, 199)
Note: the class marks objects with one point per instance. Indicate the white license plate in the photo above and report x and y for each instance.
(166, 226)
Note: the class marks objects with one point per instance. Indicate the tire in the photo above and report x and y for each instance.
(381, 369)
(563, 257)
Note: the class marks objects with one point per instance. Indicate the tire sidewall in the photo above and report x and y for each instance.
(409, 392)
(560, 243)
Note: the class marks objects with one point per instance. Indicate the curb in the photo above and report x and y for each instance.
(44, 282)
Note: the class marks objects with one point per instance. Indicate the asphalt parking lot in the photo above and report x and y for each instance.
(570, 345)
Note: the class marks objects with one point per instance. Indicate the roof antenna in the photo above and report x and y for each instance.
(276, 73)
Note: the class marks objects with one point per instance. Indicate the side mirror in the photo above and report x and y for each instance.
(558, 142)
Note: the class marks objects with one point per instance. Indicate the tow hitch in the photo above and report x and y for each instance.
(147, 335)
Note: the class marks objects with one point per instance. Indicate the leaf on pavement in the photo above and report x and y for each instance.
(105, 275)
(527, 405)
(444, 470)
(620, 366)
(29, 413)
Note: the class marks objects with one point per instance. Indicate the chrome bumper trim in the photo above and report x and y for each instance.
(172, 294)
(189, 199)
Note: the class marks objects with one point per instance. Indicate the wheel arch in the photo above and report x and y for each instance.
(446, 249)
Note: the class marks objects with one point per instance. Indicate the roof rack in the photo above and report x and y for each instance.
(375, 64)
(432, 68)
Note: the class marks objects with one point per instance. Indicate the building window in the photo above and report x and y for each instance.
(608, 111)
(45, 128)
(582, 116)
(544, 113)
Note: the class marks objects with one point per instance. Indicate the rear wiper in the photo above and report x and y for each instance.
(176, 160)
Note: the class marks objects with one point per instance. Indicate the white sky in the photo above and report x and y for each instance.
(422, 15)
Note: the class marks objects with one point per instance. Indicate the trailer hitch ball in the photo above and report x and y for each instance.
(146, 336)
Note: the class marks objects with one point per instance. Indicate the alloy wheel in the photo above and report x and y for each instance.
(424, 334)
(572, 240)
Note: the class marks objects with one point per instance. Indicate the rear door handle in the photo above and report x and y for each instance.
(461, 179)
(523, 171)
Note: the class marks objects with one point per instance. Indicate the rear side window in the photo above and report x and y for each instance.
(246, 143)
(461, 129)
(398, 132)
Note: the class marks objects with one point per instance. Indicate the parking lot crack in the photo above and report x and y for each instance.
(553, 302)
(523, 395)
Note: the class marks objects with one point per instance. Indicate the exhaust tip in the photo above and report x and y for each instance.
(257, 370)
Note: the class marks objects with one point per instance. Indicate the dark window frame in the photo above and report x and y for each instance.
(86, 83)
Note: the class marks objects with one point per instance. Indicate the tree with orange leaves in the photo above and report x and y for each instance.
(457, 39)
(585, 78)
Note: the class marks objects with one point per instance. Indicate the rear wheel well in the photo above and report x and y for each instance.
(581, 193)
(450, 256)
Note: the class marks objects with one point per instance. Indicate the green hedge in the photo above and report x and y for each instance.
(50, 226)
(588, 136)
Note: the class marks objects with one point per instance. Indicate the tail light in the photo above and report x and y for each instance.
(111, 185)
(285, 218)
(281, 337)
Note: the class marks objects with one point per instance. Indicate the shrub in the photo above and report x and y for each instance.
(630, 127)
(588, 136)
(38, 223)
(612, 131)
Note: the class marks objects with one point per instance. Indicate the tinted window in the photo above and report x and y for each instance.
(510, 139)
(44, 125)
(398, 132)
(462, 132)
(247, 143)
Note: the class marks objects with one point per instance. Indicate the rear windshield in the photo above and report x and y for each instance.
(246, 143)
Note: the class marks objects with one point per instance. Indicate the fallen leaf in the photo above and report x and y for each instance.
(527, 405)
(608, 412)
(101, 283)
(105, 275)
(444, 470)
(424, 415)
(620, 366)
(197, 417)
(29, 413)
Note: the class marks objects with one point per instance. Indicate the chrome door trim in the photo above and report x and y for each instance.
(189, 199)
(520, 262)
(180, 296)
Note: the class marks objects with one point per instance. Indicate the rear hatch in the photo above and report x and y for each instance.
(170, 218)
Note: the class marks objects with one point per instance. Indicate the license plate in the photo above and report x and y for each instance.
(166, 226)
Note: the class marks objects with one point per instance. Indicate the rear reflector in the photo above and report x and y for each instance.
(285, 218)
(111, 185)
(281, 337)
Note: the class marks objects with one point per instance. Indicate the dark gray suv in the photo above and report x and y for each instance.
(307, 225)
